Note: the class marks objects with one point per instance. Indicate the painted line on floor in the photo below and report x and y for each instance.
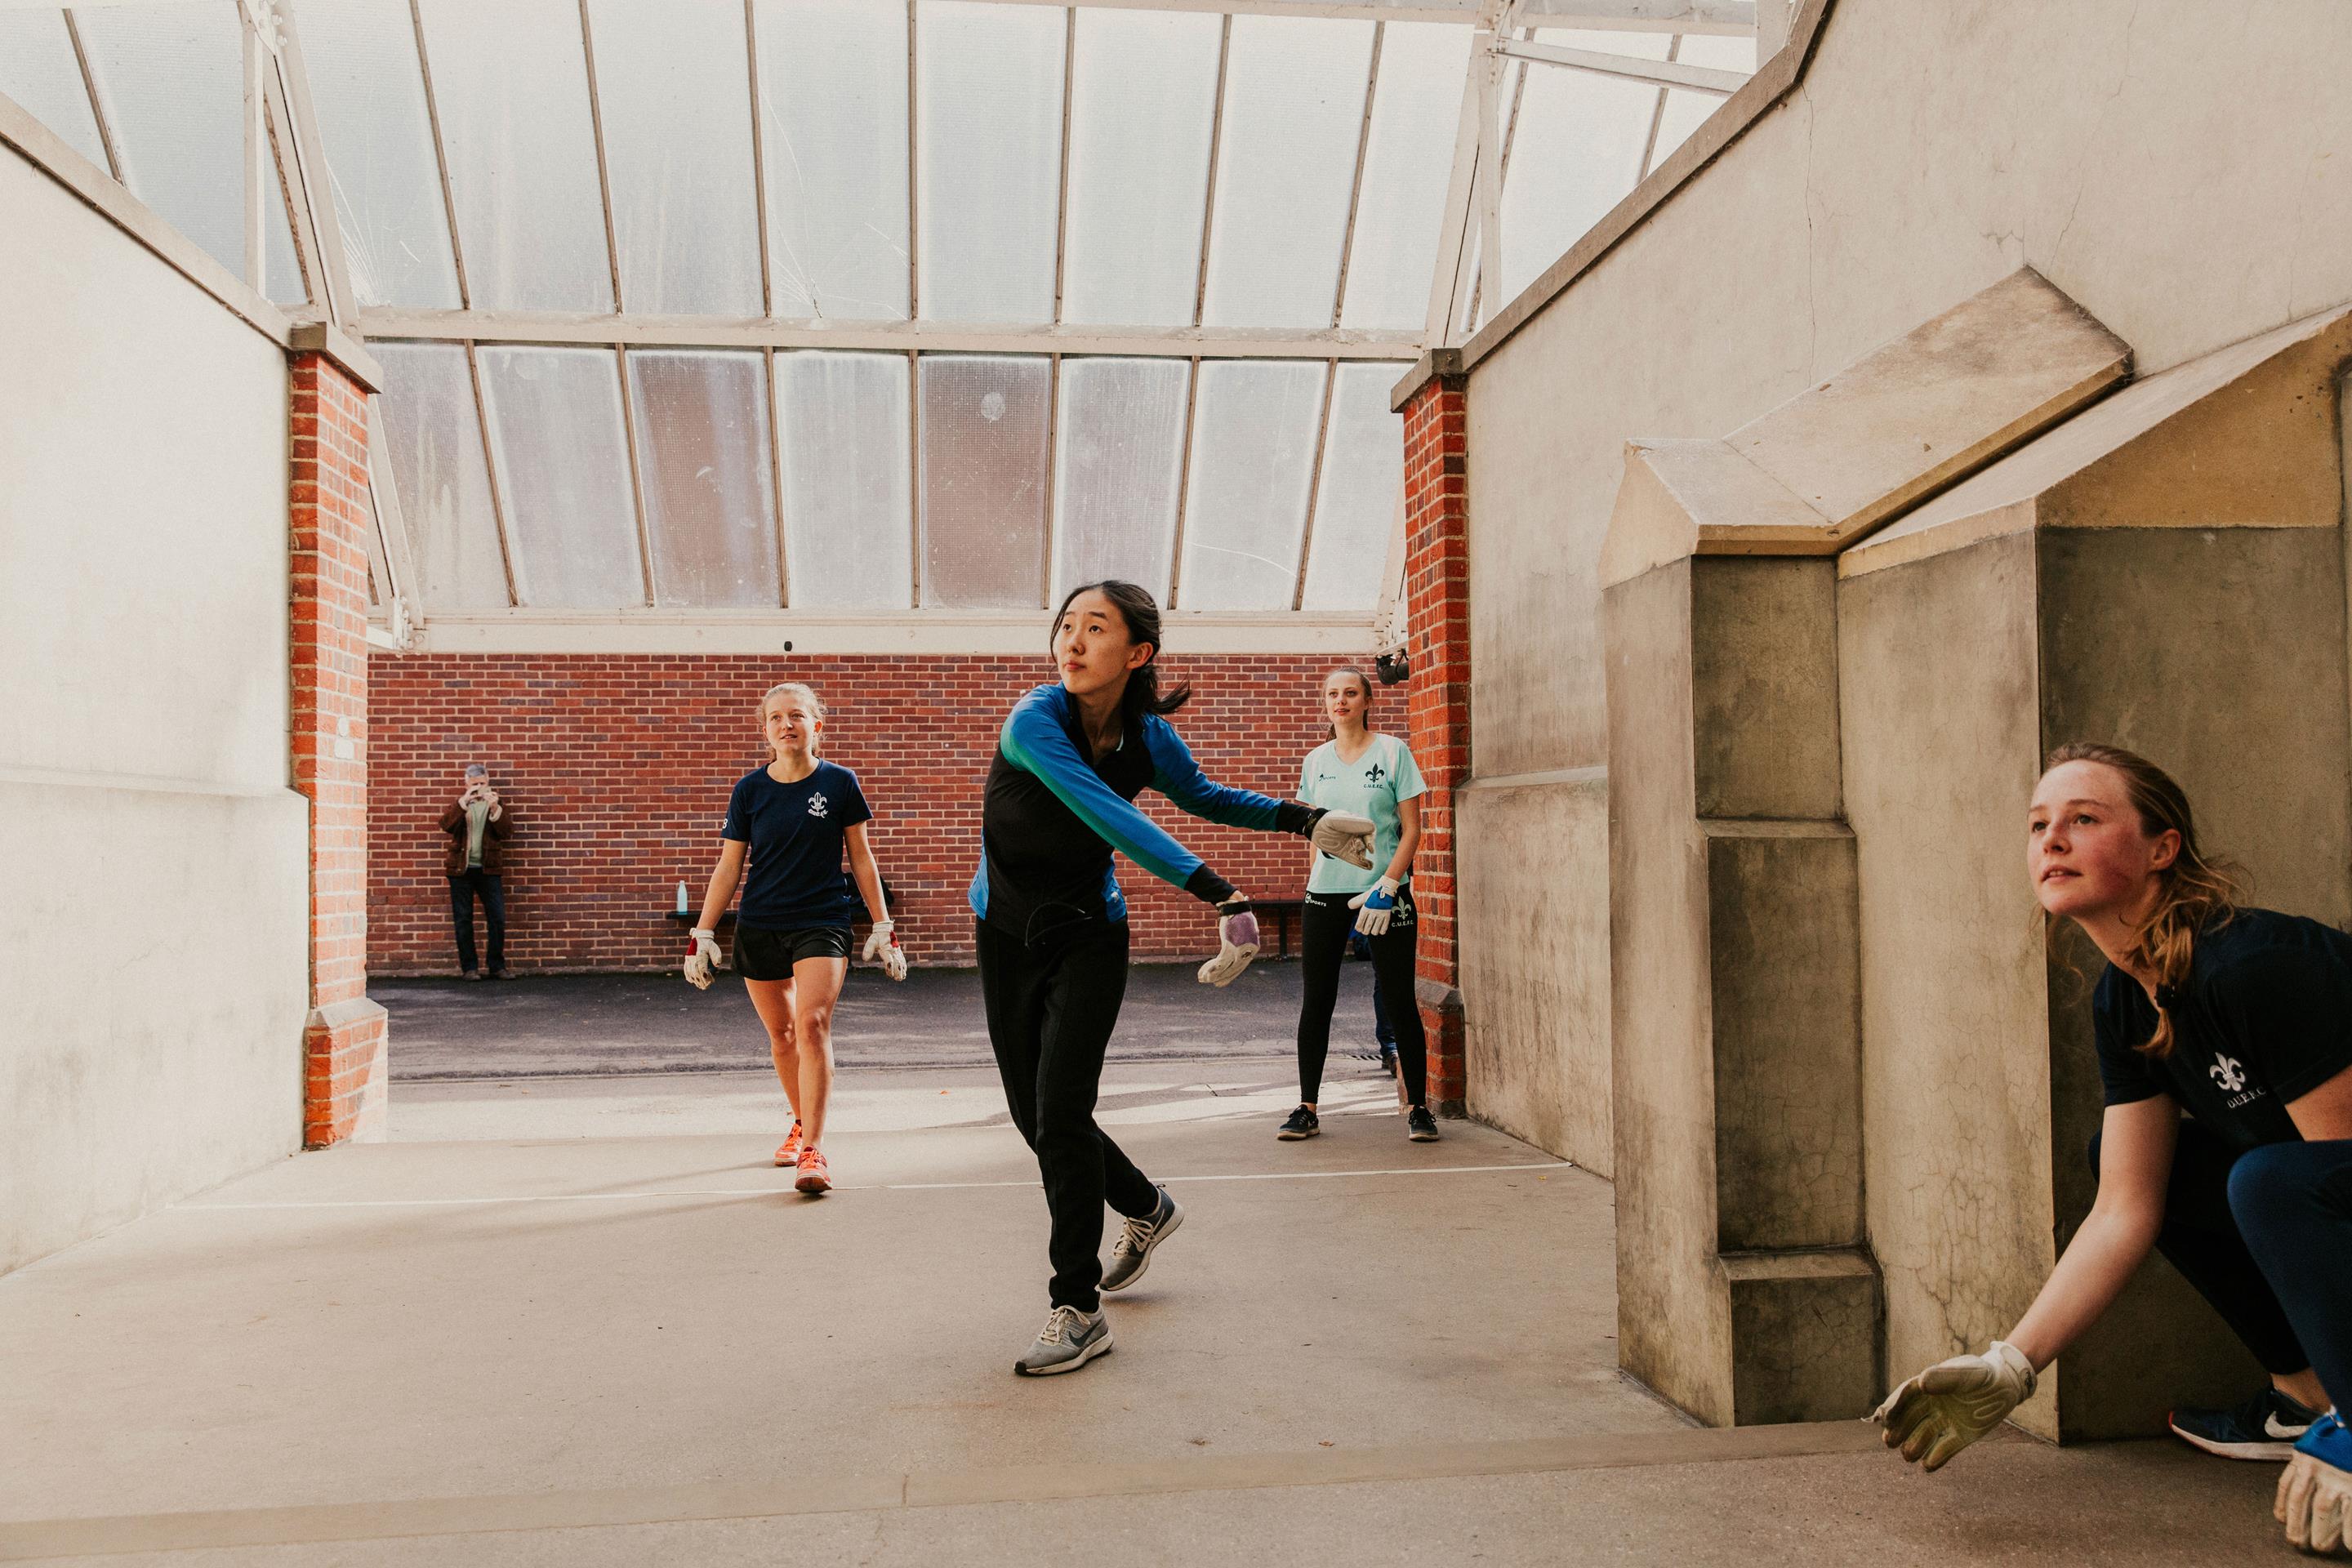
(780, 1190)
(315, 1523)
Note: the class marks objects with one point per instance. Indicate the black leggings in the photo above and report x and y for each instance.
(1050, 1008)
(1323, 942)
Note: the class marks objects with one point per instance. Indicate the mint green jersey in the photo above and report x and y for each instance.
(1372, 785)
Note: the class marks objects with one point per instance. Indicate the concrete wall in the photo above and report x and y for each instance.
(2162, 165)
(153, 928)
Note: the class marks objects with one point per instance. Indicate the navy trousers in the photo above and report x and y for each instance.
(2293, 1203)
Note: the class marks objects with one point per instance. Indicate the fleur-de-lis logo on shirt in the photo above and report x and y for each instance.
(816, 805)
(2229, 1072)
(1375, 773)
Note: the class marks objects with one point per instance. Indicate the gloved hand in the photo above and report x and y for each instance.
(2314, 1498)
(701, 958)
(1944, 1409)
(1343, 835)
(1237, 933)
(1376, 905)
(882, 944)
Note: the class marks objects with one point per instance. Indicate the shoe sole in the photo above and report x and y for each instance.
(813, 1186)
(1165, 1232)
(1100, 1347)
(2270, 1451)
(1288, 1136)
(1422, 1137)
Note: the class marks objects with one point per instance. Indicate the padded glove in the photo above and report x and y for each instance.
(1238, 939)
(1944, 1409)
(882, 944)
(1376, 905)
(2314, 1498)
(701, 958)
(1343, 835)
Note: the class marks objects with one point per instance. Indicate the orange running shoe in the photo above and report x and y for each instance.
(813, 1178)
(789, 1151)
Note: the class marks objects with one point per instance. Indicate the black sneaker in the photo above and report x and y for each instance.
(1303, 1123)
(2265, 1428)
(1420, 1125)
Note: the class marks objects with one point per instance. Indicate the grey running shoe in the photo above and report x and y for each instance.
(1069, 1339)
(1130, 1250)
(1420, 1126)
(1303, 1123)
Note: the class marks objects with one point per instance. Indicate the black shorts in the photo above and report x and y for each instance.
(770, 955)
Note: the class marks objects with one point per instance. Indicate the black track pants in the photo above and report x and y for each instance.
(1051, 1009)
(1323, 942)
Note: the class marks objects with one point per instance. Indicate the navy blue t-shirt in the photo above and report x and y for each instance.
(794, 877)
(2264, 1017)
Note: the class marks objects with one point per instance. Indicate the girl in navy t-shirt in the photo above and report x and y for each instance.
(788, 827)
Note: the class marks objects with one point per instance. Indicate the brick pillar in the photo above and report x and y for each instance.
(1437, 605)
(343, 1044)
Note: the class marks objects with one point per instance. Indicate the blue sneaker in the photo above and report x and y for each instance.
(2265, 1428)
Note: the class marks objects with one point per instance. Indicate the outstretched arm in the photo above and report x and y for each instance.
(1036, 743)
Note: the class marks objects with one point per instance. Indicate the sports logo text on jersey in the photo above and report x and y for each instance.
(818, 807)
(2229, 1072)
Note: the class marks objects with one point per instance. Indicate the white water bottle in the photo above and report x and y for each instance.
(681, 897)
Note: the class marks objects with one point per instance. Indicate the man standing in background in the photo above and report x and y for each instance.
(478, 824)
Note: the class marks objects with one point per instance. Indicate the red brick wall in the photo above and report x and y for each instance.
(618, 768)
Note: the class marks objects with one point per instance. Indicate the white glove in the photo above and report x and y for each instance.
(1344, 835)
(2314, 1504)
(882, 944)
(1377, 906)
(1237, 939)
(701, 958)
(1944, 1409)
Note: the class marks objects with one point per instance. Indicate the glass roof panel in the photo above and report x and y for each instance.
(849, 480)
(434, 439)
(1685, 110)
(673, 84)
(984, 425)
(38, 69)
(562, 471)
(832, 129)
(1285, 167)
(1253, 460)
(711, 495)
(1143, 99)
(1416, 112)
(171, 81)
(1117, 461)
(369, 96)
(510, 83)
(1355, 507)
(1576, 152)
(988, 177)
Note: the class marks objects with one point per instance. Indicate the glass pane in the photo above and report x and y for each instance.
(1355, 507)
(833, 82)
(675, 89)
(984, 479)
(39, 70)
(849, 480)
(1294, 113)
(1116, 462)
(563, 473)
(1685, 110)
(1143, 95)
(1416, 112)
(1253, 460)
(171, 80)
(369, 100)
(702, 452)
(434, 440)
(510, 81)
(988, 181)
(1576, 153)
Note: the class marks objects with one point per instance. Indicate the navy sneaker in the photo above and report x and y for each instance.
(2265, 1428)
(1303, 1123)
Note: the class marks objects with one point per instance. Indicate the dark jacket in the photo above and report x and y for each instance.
(494, 840)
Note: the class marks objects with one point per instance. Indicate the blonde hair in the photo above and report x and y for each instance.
(2197, 891)
(793, 688)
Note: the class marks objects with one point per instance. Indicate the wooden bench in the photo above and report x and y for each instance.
(1282, 910)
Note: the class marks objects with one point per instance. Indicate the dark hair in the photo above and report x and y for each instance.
(1140, 611)
(1331, 732)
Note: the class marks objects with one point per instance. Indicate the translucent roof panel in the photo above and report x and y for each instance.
(1685, 110)
(1143, 98)
(710, 495)
(848, 492)
(1118, 460)
(510, 83)
(38, 69)
(673, 87)
(1356, 502)
(988, 172)
(1416, 112)
(561, 459)
(1253, 462)
(433, 436)
(833, 130)
(368, 95)
(171, 82)
(1576, 150)
(1285, 169)
(984, 421)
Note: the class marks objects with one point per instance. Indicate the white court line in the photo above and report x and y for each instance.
(878, 1187)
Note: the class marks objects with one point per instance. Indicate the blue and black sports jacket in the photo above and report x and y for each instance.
(1052, 817)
